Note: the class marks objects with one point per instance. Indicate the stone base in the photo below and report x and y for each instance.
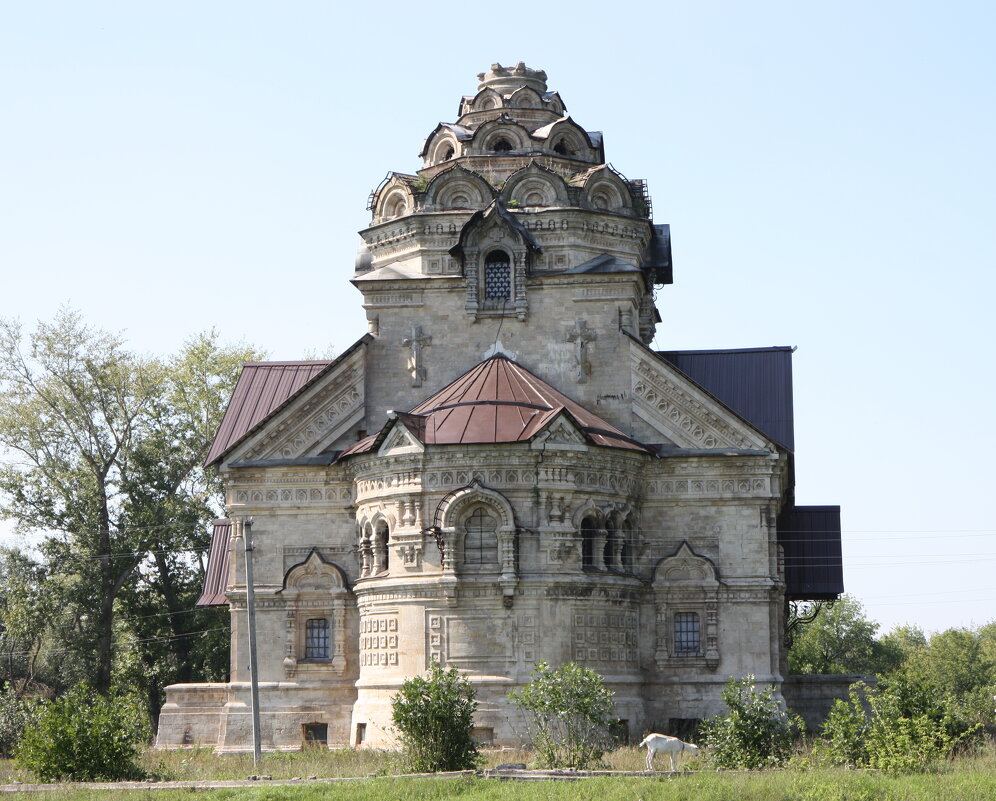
(292, 715)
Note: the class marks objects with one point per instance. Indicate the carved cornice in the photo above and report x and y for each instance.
(688, 415)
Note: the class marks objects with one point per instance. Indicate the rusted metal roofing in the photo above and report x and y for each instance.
(756, 383)
(495, 402)
(810, 539)
(262, 389)
(216, 575)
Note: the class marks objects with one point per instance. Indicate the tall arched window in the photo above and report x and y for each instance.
(381, 548)
(497, 278)
(480, 544)
(588, 530)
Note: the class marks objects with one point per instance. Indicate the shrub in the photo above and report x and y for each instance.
(434, 716)
(16, 715)
(755, 733)
(571, 715)
(899, 729)
(82, 737)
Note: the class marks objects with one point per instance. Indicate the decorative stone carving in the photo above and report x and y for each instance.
(416, 343)
(581, 335)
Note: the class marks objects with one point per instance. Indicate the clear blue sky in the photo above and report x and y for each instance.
(828, 172)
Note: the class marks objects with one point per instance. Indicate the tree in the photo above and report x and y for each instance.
(755, 733)
(104, 458)
(840, 640)
(434, 716)
(571, 714)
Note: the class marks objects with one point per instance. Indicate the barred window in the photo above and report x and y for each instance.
(316, 639)
(480, 549)
(497, 277)
(686, 634)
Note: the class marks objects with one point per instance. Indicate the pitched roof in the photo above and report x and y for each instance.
(498, 401)
(756, 383)
(261, 389)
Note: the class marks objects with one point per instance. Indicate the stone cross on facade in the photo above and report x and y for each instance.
(416, 342)
(581, 335)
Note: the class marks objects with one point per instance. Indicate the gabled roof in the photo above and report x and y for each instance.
(756, 383)
(498, 401)
(262, 389)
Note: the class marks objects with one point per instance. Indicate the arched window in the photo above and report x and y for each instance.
(626, 548)
(480, 544)
(561, 148)
(448, 154)
(609, 551)
(588, 531)
(381, 549)
(502, 146)
(316, 639)
(497, 277)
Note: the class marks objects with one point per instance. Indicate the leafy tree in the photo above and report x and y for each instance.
(82, 737)
(104, 456)
(571, 713)
(26, 610)
(434, 716)
(840, 640)
(755, 733)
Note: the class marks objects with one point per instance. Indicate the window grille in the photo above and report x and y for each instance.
(316, 639)
(497, 277)
(686, 634)
(480, 547)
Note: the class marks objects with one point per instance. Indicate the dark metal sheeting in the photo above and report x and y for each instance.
(810, 538)
(756, 383)
(216, 575)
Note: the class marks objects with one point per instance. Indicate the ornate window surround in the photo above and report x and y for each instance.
(686, 583)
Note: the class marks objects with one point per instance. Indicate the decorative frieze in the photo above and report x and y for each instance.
(605, 637)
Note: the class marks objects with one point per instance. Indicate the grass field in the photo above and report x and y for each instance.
(969, 778)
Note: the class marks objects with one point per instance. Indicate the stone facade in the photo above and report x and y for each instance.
(649, 554)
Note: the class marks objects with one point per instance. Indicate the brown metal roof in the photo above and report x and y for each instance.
(261, 389)
(499, 401)
(216, 576)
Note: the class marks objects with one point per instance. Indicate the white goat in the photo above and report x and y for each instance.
(664, 744)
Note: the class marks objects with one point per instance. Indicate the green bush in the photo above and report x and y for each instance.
(571, 715)
(899, 729)
(82, 737)
(755, 733)
(434, 717)
(16, 715)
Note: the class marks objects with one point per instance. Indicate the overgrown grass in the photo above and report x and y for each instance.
(968, 778)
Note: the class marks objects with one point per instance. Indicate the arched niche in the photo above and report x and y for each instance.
(525, 97)
(604, 190)
(487, 99)
(535, 185)
(457, 188)
(566, 138)
(489, 137)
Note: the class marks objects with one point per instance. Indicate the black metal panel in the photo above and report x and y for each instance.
(756, 383)
(657, 259)
(810, 539)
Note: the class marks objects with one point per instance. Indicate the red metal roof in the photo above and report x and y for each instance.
(499, 401)
(261, 389)
(216, 575)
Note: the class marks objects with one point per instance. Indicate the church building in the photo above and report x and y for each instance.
(501, 470)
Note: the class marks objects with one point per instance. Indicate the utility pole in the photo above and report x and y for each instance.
(253, 669)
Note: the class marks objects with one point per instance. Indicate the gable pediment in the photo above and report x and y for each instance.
(323, 411)
(560, 433)
(399, 441)
(684, 413)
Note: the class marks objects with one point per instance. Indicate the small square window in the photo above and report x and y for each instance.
(686, 634)
(315, 733)
(316, 639)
